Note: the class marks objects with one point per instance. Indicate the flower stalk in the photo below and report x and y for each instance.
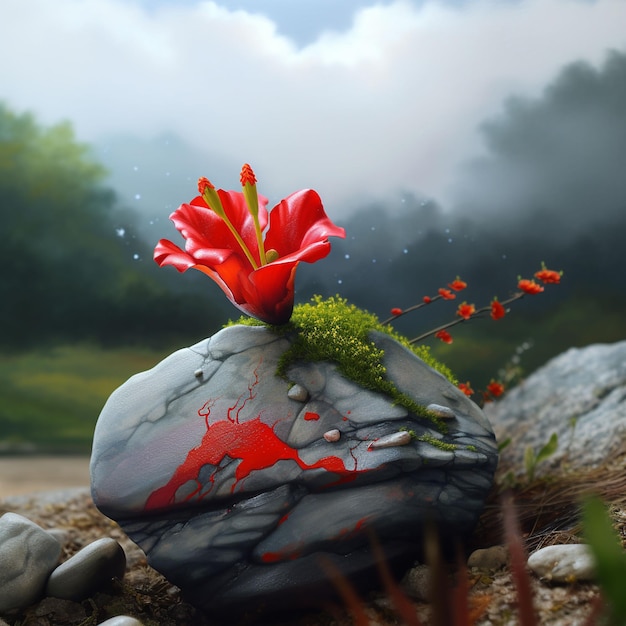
(496, 309)
(213, 200)
(248, 185)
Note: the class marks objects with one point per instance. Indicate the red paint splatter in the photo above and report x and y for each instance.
(253, 443)
(309, 416)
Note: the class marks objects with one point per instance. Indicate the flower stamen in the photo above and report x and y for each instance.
(212, 198)
(248, 184)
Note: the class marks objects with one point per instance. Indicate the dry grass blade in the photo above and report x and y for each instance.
(402, 604)
(526, 610)
(347, 592)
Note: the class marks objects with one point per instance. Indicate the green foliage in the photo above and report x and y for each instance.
(67, 274)
(610, 559)
(333, 330)
(532, 459)
(52, 398)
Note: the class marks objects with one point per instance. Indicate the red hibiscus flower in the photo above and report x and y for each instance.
(223, 232)
(497, 310)
(529, 286)
(445, 336)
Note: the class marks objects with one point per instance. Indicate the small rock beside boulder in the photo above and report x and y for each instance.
(28, 555)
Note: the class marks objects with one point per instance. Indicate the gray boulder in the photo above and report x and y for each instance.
(581, 396)
(241, 486)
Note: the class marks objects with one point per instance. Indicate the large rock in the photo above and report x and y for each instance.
(581, 396)
(235, 482)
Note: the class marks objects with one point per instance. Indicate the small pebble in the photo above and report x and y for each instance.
(332, 435)
(439, 410)
(401, 438)
(89, 570)
(416, 583)
(564, 563)
(298, 392)
(122, 620)
(490, 559)
(27, 556)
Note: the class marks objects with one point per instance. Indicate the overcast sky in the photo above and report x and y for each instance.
(357, 99)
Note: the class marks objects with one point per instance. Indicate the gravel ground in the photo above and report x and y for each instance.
(147, 596)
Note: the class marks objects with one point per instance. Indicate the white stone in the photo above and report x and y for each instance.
(563, 563)
(122, 620)
(332, 435)
(298, 392)
(445, 412)
(401, 438)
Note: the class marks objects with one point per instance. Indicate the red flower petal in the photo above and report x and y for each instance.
(446, 294)
(495, 388)
(444, 335)
(466, 310)
(548, 276)
(497, 310)
(457, 284)
(529, 286)
(466, 389)
(299, 228)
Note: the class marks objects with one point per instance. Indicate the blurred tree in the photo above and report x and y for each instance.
(69, 258)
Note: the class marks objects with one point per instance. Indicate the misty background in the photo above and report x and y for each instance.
(541, 179)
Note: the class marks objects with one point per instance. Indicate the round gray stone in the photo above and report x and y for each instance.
(89, 570)
(28, 554)
(490, 559)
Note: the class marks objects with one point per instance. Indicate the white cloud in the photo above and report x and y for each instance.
(393, 102)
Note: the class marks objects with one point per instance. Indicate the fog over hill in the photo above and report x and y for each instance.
(550, 187)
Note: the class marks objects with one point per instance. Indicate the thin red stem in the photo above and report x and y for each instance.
(477, 313)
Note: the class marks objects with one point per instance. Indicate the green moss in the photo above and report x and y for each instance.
(333, 330)
(437, 443)
(432, 441)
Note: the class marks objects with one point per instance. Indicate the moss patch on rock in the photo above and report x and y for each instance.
(336, 331)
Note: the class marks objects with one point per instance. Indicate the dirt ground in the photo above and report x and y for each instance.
(148, 596)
